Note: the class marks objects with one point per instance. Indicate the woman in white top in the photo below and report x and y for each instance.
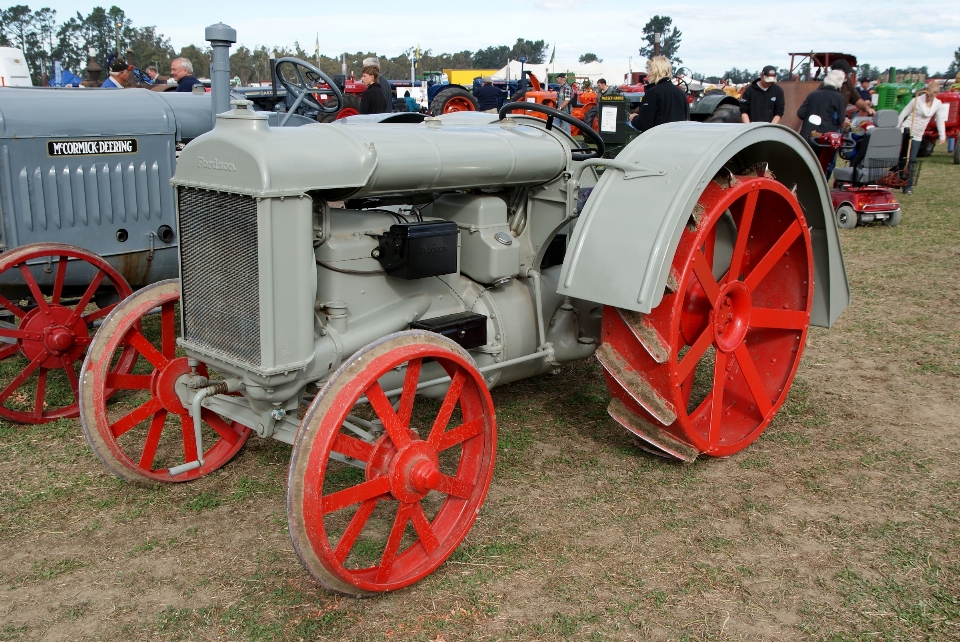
(916, 115)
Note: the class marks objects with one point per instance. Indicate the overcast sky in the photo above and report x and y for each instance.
(716, 35)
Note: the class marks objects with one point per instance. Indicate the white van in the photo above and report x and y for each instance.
(13, 68)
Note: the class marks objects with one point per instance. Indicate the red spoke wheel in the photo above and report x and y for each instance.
(712, 364)
(52, 291)
(410, 497)
(148, 430)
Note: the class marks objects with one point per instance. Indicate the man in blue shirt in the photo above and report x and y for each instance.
(118, 75)
(181, 69)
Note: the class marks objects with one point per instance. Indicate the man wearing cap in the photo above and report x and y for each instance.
(181, 70)
(564, 99)
(119, 75)
(762, 100)
(488, 96)
(849, 89)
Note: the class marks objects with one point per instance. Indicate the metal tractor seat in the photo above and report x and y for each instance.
(878, 152)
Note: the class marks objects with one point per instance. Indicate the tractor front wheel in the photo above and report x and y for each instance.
(49, 326)
(377, 504)
(725, 114)
(148, 433)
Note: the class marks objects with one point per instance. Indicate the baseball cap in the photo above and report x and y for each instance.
(842, 65)
(769, 73)
(561, 75)
(119, 65)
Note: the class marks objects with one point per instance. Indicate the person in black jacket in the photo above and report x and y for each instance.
(488, 96)
(372, 101)
(762, 100)
(663, 102)
(824, 109)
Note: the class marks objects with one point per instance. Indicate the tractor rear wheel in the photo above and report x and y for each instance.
(591, 118)
(351, 107)
(50, 326)
(956, 150)
(149, 431)
(453, 100)
(725, 114)
(846, 217)
(708, 368)
(926, 148)
(376, 511)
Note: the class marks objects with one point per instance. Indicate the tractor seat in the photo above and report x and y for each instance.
(878, 151)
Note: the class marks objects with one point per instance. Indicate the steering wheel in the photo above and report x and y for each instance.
(305, 89)
(579, 153)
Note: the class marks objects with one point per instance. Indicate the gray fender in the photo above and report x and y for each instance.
(623, 244)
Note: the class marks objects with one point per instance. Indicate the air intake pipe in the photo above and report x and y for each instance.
(220, 37)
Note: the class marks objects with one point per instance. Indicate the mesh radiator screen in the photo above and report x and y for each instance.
(219, 273)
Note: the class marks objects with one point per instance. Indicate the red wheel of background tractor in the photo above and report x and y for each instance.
(710, 366)
(391, 523)
(51, 328)
(453, 99)
(153, 432)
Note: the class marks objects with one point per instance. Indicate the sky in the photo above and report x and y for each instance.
(716, 35)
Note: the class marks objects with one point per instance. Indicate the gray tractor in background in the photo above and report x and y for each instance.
(355, 289)
(89, 213)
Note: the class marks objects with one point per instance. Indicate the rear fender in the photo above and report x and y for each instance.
(623, 244)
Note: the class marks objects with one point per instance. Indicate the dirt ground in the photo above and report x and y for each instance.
(839, 523)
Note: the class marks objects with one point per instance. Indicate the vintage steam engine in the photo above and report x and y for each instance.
(355, 289)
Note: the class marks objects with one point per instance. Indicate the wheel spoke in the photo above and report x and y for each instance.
(424, 528)
(409, 390)
(168, 331)
(352, 447)
(15, 310)
(144, 347)
(221, 427)
(743, 234)
(354, 528)
(460, 434)
(128, 382)
(784, 319)
(190, 452)
(9, 351)
(153, 440)
(716, 408)
(446, 409)
(690, 360)
(391, 422)
(35, 290)
(704, 272)
(773, 255)
(98, 314)
(13, 333)
(393, 542)
(85, 299)
(41, 391)
(710, 246)
(452, 486)
(749, 370)
(354, 495)
(58, 280)
(134, 417)
(20, 378)
(71, 377)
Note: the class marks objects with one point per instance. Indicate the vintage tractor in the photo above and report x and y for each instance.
(356, 288)
(89, 215)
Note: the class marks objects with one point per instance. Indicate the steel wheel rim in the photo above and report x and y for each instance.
(326, 554)
(54, 335)
(457, 103)
(132, 459)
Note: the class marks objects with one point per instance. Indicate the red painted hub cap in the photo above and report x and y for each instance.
(731, 316)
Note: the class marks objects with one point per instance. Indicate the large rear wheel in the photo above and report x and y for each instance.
(376, 504)
(453, 100)
(707, 369)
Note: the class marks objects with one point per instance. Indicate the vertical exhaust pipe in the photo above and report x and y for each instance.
(220, 37)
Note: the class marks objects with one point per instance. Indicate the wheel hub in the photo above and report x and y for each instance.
(52, 335)
(414, 470)
(164, 385)
(731, 316)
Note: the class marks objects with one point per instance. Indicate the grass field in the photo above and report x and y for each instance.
(841, 523)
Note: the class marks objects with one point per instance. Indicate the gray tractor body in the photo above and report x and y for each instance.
(281, 283)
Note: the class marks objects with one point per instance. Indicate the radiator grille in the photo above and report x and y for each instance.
(219, 273)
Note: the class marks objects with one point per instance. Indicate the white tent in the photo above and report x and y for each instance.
(614, 73)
